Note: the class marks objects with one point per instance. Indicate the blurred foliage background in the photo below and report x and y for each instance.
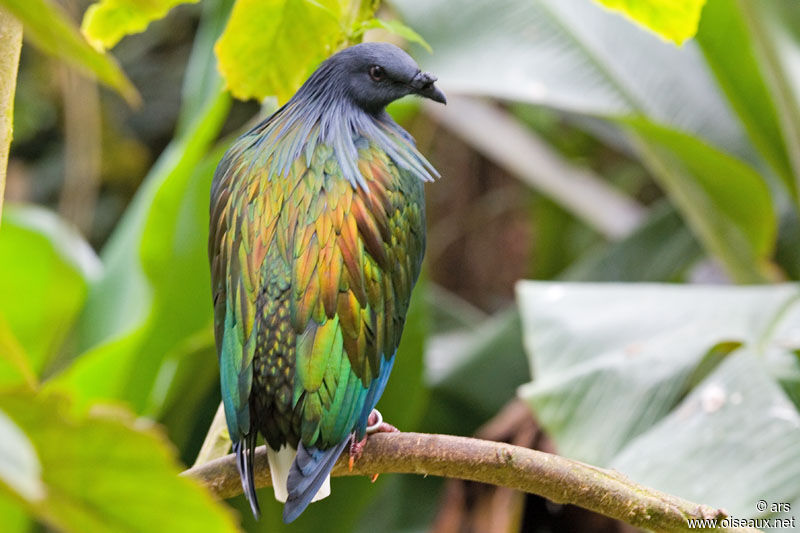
(577, 146)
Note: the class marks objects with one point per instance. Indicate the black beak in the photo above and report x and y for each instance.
(423, 86)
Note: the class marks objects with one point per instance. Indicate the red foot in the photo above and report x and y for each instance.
(356, 449)
(375, 424)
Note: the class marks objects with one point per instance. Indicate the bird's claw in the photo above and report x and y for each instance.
(356, 449)
(375, 424)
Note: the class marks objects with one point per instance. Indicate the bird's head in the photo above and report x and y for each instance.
(375, 74)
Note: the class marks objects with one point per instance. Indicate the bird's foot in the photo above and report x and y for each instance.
(375, 424)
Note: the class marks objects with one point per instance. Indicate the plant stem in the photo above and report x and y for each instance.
(556, 478)
(82, 141)
(10, 46)
(217, 441)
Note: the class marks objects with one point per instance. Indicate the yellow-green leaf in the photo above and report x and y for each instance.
(48, 27)
(396, 27)
(108, 21)
(674, 20)
(269, 47)
(102, 471)
(42, 293)
(19, 466)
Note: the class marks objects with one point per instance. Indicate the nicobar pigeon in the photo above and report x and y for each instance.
(316, 239)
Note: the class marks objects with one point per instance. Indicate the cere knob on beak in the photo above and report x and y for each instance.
(423, 84)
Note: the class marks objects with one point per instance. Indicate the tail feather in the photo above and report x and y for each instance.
(310, 469)
(280, 463)
(245, 457)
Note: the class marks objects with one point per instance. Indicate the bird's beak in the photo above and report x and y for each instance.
(423, 84)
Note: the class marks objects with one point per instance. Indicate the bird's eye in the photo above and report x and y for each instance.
(376, 72)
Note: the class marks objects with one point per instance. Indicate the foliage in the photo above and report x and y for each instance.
(84, 472)
(295, 35)
(108, 21)
(50, 29)
(640, 378)
(693, 370)
(396, 27)
(565, 64)
(725, 201)
(675, 21)
(40, 298)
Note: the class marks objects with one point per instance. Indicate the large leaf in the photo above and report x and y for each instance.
(106, 472)
(49, 28)
(108, 21)
(155, 292)
(661, 249)
(575, 56)
(45, 270)
(572, 55)
(724, 200)
(675, 20)
(676, 386)
(20, 469)
(730, 51)
(293, 37)
(474, 385)
(777, 52)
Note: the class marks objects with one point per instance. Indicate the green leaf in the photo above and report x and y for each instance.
(43, 289)
(294, 36)
(730, 51)
(396, 27)
(106, 22)
(106, 471)
(707, 426)
(776, 53)
(574, 56)
(577, 57)
(674, 386)
(787, 247)
(50, 29)
(158, 257)
(674, 20)
(725, 201)
(15, 519)
(15, 365)
(474, 374)
(19, 466)
(155, 292)
(661, 249)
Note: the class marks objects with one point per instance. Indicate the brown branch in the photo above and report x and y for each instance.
(557, 478)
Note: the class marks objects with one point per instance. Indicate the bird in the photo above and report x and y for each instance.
(316, 240)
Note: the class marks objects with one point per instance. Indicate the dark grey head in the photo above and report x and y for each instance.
(373, 75)
(342, 103)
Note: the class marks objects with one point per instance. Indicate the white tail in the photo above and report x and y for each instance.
(279, 464)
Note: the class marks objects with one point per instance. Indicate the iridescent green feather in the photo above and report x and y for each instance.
(312, 279)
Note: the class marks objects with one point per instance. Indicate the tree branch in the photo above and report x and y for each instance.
(556, 478)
